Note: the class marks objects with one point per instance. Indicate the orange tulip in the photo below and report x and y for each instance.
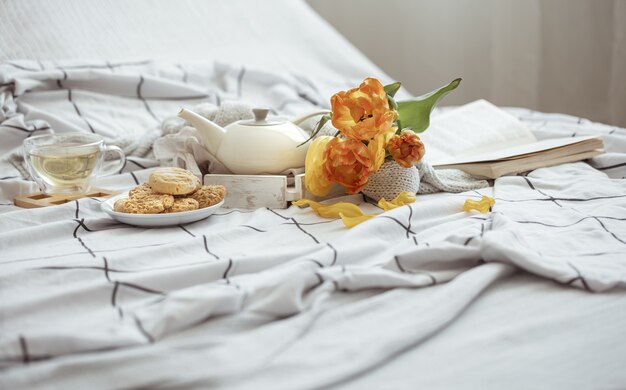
(347, 162)
(406, 148)
(362, 113)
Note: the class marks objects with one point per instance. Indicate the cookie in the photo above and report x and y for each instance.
(141, 191)
(209, 195)
(147, 205)
(119, 205)
(167, 200)
(144, 191)
(182, 204)
(173, 181)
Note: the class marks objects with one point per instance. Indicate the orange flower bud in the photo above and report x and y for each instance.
(406, 148)
(362, 113)
(347, 162)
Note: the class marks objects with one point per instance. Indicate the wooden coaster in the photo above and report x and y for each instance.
(39, 199)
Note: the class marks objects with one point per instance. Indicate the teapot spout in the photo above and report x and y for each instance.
(210, 133)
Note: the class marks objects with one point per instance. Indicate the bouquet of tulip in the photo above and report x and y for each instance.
(372, 128)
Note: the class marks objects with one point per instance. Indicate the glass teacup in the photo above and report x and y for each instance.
(66, 163)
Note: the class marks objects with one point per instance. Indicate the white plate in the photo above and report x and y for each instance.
(154, 220)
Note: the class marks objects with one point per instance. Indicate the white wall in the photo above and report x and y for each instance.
(564, 56)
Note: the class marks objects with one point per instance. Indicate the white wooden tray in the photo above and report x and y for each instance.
(254, 191)
(273, 191)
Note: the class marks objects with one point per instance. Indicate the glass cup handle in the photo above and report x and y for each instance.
(118, 167)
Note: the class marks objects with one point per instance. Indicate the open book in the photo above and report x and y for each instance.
(486, 141)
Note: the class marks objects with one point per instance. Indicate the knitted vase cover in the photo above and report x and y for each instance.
(390, 180)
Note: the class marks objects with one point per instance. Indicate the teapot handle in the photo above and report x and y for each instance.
(304, 117)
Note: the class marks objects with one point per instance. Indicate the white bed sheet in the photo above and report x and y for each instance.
(293, 322)
(278, 35)
(152, 301)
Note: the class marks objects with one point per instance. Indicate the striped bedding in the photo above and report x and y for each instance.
(422, 295)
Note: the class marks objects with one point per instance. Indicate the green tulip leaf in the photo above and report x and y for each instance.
(392, 103)
(415, 113)
(323, 120)
(391, 89)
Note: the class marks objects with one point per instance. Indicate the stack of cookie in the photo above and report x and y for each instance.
(170, 190)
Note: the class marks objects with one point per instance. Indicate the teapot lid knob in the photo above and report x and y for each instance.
(260, 114)
(261, 119)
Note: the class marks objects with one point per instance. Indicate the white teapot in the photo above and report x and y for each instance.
(254, 146)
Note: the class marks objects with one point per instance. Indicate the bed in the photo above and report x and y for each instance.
(530, 295)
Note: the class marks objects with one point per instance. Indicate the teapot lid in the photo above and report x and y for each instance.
(260, 119)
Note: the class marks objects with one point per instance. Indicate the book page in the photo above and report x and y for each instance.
(472, 129)
(575, 144)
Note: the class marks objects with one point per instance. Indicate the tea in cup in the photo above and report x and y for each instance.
(66, 163)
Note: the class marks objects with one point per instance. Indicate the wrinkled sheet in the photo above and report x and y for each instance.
(282, 298)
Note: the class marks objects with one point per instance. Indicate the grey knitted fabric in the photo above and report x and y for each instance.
(446, 180)
(223, 115)
(390, 180)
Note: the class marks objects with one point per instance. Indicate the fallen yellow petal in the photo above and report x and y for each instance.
(353, 221)
(402, 199)
(350, 214)
(482, 205)
(332, 210)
